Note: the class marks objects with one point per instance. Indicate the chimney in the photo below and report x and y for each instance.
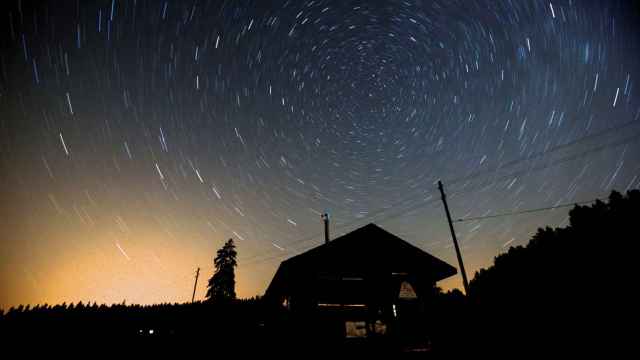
(325, 218)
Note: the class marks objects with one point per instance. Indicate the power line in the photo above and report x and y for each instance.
(420, 205)
(524, 171)
(258, 259)
(527, 211)
(473, 176)
(551, 150)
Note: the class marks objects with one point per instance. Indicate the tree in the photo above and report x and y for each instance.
(222, 284)
(566, 287)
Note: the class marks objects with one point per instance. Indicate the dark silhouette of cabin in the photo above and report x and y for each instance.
(362, 284)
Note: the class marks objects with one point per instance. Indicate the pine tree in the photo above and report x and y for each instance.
(222, 284)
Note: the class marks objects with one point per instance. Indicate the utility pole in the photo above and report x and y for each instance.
(465, 282)
(195, 284)
(325, 218)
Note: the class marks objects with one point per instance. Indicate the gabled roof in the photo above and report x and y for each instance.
(369, 249)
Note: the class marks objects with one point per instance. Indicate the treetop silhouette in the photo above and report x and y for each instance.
(221, 286)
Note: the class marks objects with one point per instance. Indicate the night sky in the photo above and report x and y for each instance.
(137, 136)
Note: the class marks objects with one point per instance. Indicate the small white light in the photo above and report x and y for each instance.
(151, 330)
(395, 314)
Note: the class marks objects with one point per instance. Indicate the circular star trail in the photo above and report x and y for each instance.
(138, 136)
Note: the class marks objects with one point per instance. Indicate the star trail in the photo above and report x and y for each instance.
(138, 136)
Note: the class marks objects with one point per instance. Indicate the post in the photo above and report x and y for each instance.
(195, 285)
(325, 218)
(465, 282)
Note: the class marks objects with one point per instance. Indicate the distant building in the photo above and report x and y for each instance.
(362, 284)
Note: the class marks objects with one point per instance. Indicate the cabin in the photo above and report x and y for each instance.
(367, 283)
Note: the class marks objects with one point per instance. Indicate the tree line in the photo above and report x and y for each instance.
(567, 288)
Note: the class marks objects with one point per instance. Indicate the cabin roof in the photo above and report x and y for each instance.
(367, 250)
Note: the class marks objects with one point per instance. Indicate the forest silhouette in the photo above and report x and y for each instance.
(567, 288)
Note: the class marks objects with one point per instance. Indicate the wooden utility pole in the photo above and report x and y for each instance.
(455, 240)
(325, 218)
(195, 284)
